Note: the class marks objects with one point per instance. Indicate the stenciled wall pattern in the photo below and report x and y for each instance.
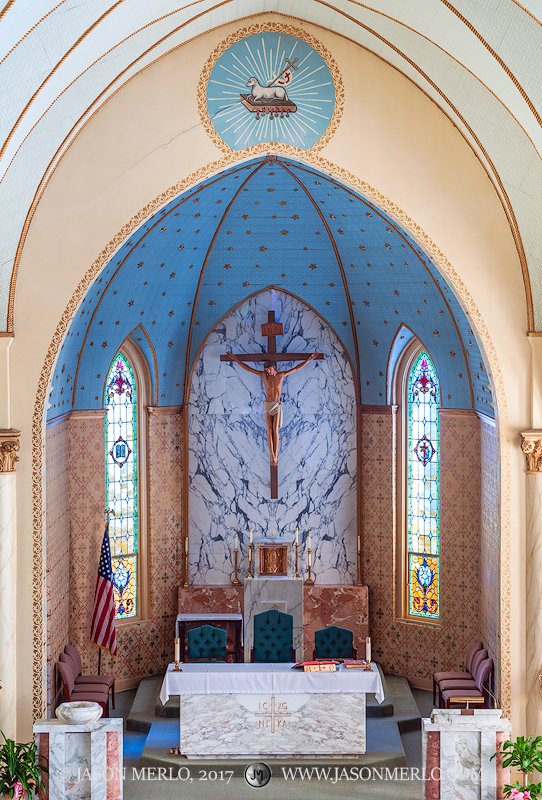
(58, 553)
(75, 526)
(229, 455)
(418, 650)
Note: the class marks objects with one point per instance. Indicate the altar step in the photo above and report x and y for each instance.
(374, 709)
(388, 735)
(399, 705)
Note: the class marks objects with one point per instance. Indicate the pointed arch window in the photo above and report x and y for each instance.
(422, 490)
(121, 454)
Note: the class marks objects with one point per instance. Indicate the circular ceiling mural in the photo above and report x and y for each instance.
(270, 86)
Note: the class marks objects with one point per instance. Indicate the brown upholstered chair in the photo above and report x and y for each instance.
(92, 693)
(105, 680)
(477, 693)
(472, 653)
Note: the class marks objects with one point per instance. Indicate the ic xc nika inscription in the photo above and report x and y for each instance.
(272, 713)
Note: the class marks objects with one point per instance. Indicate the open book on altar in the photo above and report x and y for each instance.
(324, 665)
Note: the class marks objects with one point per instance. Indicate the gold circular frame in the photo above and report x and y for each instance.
(265, 27)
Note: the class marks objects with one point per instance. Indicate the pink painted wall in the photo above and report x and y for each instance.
(145, 647)
(406, 648)
(57, 551)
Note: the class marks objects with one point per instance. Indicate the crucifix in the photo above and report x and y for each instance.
(272, 380)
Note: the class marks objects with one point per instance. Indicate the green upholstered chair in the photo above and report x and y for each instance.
(273, 637)
(334, 642)
(207, 643)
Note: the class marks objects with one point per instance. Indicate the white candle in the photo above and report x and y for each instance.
(235, 542)
(251, 536)
(296, 536)
(177, 650)
(368, 649)
(186, 545)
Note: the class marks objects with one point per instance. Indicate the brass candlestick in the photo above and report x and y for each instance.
(177, 668)
(236, 581)
(359, 581)
(310, 580)
(185, 582)
(296, 573)
(250, 575)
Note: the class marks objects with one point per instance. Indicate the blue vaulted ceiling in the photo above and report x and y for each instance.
(270, 222)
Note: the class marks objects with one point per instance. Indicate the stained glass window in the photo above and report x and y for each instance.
(121, 483)
(423, 489)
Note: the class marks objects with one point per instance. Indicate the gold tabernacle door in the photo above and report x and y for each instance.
(273, 560)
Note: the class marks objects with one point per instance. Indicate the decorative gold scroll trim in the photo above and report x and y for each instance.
(531, 445)
(67, 142)
(9, 447)
(497, 58)
(439, 259)
(29, 31)
(55, 68)
(504, 196)
(265, 27)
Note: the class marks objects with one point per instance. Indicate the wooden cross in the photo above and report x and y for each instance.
(271, 330)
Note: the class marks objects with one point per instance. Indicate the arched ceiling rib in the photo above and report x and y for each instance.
(478, 60)
(267, 223)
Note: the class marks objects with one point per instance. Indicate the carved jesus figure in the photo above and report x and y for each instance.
(272, 381)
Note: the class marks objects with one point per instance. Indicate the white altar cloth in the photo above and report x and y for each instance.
(197, 678)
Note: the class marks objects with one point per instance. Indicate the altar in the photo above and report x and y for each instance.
(271, 710)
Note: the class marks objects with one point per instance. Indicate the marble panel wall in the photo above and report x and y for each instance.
(210, 599)
(490, 555)
(344, 606)
(417, 650)
(229, 456)
(143, 647)
(57, 549)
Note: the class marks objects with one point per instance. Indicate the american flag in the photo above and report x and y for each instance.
(102, 630)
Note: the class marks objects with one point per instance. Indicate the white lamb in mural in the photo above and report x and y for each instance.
(260, 93)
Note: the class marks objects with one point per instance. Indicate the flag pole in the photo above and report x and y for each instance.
(99, 660)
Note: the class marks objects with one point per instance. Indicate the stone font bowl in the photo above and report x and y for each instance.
(79, 712)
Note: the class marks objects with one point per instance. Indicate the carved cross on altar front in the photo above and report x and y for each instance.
(272, 380)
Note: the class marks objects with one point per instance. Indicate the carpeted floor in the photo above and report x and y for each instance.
(220, 780)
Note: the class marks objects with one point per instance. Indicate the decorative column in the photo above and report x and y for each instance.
(532, 447)
(9, 446)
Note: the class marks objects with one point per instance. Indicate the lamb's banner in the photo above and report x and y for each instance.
(271, 87)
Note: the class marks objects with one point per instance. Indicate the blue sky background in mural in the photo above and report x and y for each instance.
(308, 84)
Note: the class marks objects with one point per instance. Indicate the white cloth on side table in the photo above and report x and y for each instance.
(220, 678)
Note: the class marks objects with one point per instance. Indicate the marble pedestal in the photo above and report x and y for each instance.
(284, 594)
(457, 751)
(261, 725)
(85, 761)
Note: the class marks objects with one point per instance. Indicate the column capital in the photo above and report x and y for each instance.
(9, 447)
(531, 445)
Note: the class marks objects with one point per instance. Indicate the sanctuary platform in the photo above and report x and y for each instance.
(388, 738)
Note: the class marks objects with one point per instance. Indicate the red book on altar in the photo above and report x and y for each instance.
(324, 665)
(353, 663)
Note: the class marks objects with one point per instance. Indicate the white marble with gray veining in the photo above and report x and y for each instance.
(467, 743)
(284, 594)
(243, 725)
(79, 768)
(229, 454)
